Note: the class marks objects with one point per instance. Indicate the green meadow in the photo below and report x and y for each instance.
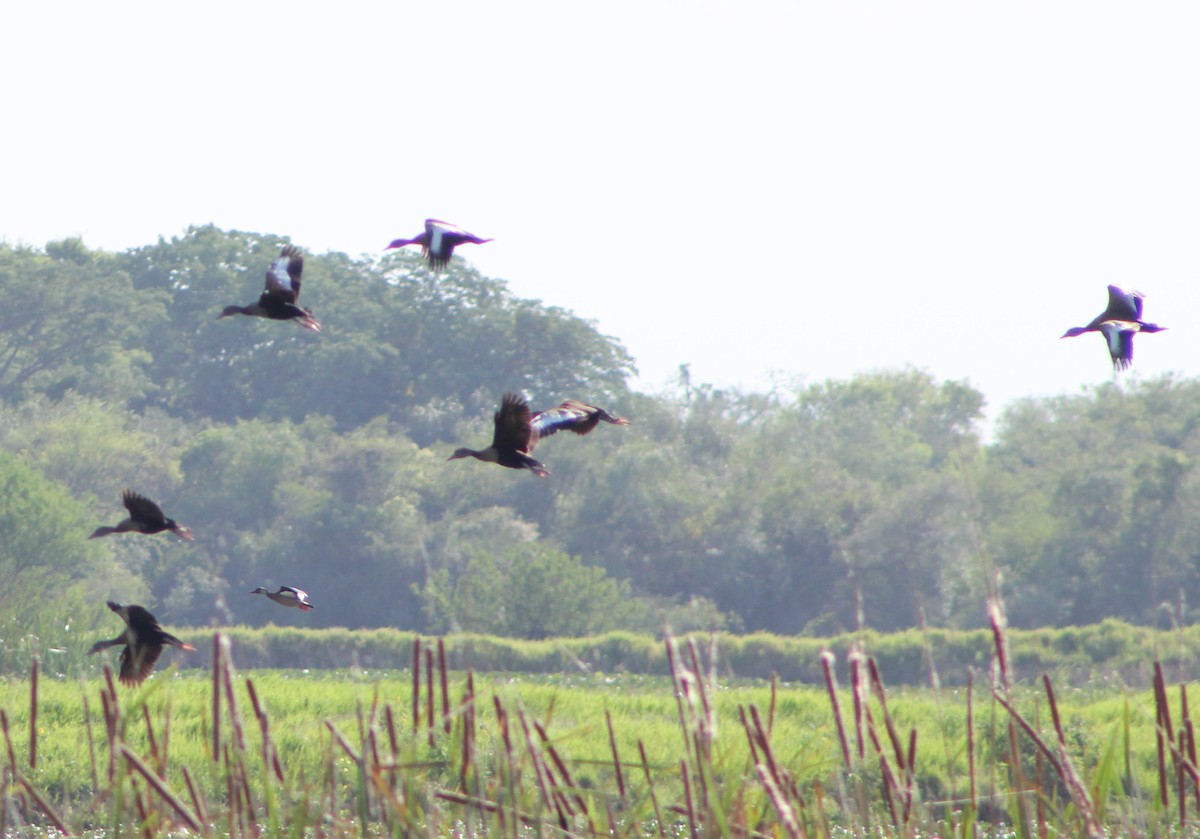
(359, 752)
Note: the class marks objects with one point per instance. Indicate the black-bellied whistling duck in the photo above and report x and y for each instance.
(144, 640)
(1118, 324)
(1119, 335)
(572, 415)
(287, 596)
(144, 517)
(439, 241)
(512, 440)
(282, 293)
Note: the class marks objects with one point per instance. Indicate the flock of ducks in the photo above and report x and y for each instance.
(517, 430)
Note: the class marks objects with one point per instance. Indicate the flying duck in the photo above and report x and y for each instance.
(512, 440)
(287, 596)
(144, 640)
(572, 415)
(439, 241)
(1118, 324)
(144, 517)
(282, 293)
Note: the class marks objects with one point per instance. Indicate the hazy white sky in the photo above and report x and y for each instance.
(793, 189)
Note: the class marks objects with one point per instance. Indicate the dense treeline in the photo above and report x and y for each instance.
(320, 461)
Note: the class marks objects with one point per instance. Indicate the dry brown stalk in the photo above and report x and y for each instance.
(658, 819)
(612, 744)
(12, 754)
(142, 802)
(46, 807)
(881, 697)
(767, 755)
(561, 766)
(1190, 731)
(111, 706)
(860, 701)
(1181, 780)
(216, 698)
(544, 776)
(160, 787)
(151, 739)
(198, 803)
(468, 720)
(999, 622)
(827, 662)
(912, 774)
(774, 699)
(484, 805)
(344, 743)
(696, 669)
(779, 800)
(891, 786)
(235, 714)
(91, 739)
(971, 739)
(1062, 765)
(416, 685)
(33, 713)
(690, 807)
(429, 693)
(444, 671)
(1162, 729)
(680, 680)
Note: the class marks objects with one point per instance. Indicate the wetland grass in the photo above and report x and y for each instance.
(440, 753)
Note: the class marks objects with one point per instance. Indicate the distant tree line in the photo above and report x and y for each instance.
(320, 461)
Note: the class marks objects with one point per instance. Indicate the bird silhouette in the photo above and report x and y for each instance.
(439, 241)
(287, 596)
(144, 640)
(281, 296)
(512, 439)
(1118, 324)
(572, 415)
(144, 517)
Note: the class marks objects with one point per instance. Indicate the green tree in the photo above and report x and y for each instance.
(71, 320)
(529, 591)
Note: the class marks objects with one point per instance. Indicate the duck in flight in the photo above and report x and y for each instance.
(439, 241)
(1118, 324)
(281, 296)
(517, 431)
(144, 517)
(512, 438)
(143, 639)
(288, 596)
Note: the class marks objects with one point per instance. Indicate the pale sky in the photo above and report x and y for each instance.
(791, 190)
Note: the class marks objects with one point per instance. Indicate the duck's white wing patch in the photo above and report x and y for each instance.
(278, 278)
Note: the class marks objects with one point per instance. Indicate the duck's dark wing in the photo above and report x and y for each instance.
(514, 431)
(137, 662)
(144, 624)
(283, 277)
(1123, 305)
(142, 509)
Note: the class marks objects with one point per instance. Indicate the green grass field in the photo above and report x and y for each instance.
(342, 753)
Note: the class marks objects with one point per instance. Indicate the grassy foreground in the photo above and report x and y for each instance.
(438, 752)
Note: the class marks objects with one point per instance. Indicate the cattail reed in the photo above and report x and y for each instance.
(416, 685)
(33, 713)
(444, 673)
(827, 662)
(429, 694)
